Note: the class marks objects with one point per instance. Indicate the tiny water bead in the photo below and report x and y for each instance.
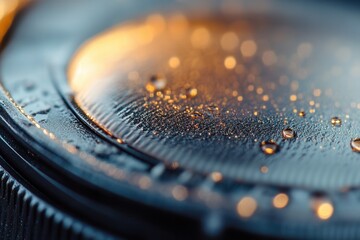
(288, 133)
(196, 115)
(269, 147)
(302, 114)
(217, 87)
(156, 83)
(335, 121)
(191, 92)
(212, 108)
(355, 144)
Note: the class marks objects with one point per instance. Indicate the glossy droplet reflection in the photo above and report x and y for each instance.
(191, 92)
(196, 115)
(207, 90)
(335, 121)
(355, 144)
(269, 147)
(212, 108)
(288, 133)
(302, 114)
(156, 83)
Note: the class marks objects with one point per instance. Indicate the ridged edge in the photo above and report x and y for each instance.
(25, 216)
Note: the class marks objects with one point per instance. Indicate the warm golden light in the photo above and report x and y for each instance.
(216, 176)
(8, 10)
(259, 90)
(174, 62)
(178, 25)
(246, 207)
(268, 147)
(355, 144)
(293, 98)
(191, 92)
(248, 48)
(281, 200)
(200, 38)
(157, 22)
(324, 210)
(230, 62)
(229, 41)
(109, 48)
(335, 121)
(301, 114)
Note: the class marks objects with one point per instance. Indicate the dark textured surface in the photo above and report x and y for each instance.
(227, 139)
(25, 216)
(118, 188)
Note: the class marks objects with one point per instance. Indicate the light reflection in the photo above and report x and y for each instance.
(281, 200)
(229, 41)
(216, 176)
(180, 193)
(174, 62)
(200, 38)
(109, 48)
(269, 58)
(246, 207)
(248, 48)
(230, 62)
(8, 10)
(323, 208)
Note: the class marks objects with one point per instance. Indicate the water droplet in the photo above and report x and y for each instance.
(212, 108)
(156, 83)
(269, 147)
(288, 133)
(355, 144)
(38, 108)
(302, 114)
(196, 115)
(191, 92)
(335, 121)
